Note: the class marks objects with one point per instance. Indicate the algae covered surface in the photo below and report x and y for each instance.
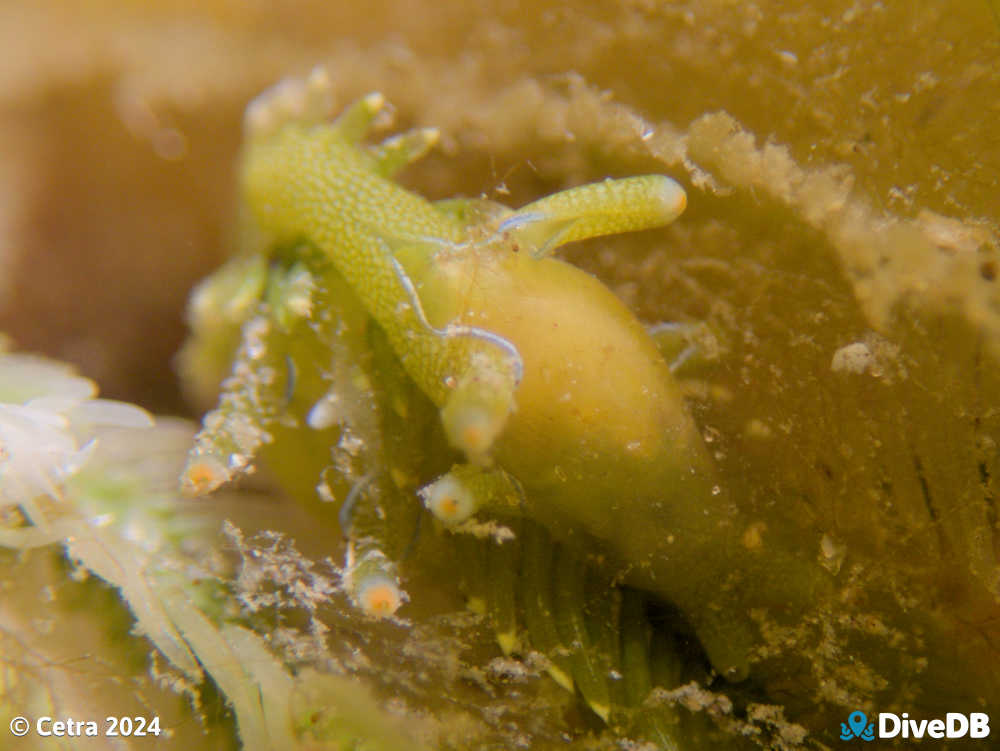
(841, 246)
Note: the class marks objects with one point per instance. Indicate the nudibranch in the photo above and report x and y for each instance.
(565, 424)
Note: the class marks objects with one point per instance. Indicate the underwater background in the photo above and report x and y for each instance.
(841, 243)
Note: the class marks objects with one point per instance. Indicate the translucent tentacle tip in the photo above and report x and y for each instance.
(202, 475)
(449, 499)
(473, 428)
(672, 199)
(292, 99)
(378, 595)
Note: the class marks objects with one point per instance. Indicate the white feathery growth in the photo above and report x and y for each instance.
(48, 421)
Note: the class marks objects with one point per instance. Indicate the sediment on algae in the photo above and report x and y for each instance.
(841, 241)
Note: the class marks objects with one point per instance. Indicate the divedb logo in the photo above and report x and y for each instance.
(954, 725)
